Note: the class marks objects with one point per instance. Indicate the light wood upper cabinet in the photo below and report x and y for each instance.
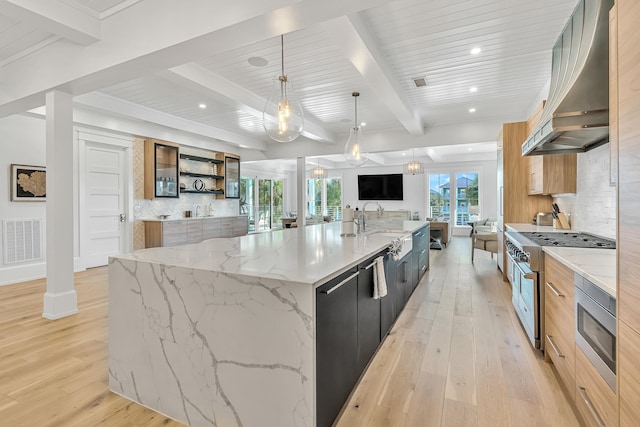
(613, 95)
(160, 169)
(552, 174)
(628, 120)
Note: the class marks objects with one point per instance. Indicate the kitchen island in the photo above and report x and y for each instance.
(223, 332)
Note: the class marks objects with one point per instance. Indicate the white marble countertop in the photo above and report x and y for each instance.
(188, 219)
(311, 255)
(523, 227)
(596, 265)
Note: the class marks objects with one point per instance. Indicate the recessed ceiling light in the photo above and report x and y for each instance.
(202, 105)
(404, 154)
(475, 51)
(257, 61)
(473, 89)
(472, 110)
(470, 149)
(363, 124)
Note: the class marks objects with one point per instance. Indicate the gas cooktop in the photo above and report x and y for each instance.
(570, 240)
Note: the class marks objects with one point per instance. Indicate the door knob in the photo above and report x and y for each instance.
(123, 217)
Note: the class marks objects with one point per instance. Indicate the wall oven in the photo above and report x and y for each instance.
(596, 327)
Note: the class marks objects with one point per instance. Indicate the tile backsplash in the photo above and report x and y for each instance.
(593, 208)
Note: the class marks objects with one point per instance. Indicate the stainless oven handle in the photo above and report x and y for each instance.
(553, 345)
(530, 276)
(587, 401)
(554, 290)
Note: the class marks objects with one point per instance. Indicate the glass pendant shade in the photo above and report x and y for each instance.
(413, 168)
(354, 151)
(282, 117)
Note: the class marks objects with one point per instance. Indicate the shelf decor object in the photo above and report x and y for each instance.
(282, 117)
(354, 153)
(318, 172)
(413, 167)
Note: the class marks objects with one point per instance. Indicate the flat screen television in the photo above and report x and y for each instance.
(380, 187)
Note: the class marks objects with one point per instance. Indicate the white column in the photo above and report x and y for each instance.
(60, 300)
(301, 191)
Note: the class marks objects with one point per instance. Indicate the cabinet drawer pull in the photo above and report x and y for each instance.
(423, 251)
(587, 401)
(553, 289)
(553, 345)
(340, 284)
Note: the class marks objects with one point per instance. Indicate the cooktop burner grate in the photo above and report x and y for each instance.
(570, 240)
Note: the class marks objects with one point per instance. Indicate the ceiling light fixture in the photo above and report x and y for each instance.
(475, 51)
(282, 118)
(318, 172)
(473, 89)
(413, 167)
(353, 149)
(472, 110)
(202, 106)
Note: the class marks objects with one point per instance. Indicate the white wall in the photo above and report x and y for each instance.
(593, 208)
(22, 141)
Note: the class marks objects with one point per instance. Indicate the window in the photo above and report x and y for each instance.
(467, 208)
(463, 188)
(324, 197)
(439, 197)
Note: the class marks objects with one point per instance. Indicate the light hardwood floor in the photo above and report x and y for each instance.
(456, 357)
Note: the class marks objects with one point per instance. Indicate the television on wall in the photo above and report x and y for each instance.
(380, 187)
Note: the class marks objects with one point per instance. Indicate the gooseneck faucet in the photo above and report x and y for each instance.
(363, 227)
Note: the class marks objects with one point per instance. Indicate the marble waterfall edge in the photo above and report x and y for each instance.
(209, 348)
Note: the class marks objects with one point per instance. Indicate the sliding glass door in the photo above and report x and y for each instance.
(454, 198)
(262, 200)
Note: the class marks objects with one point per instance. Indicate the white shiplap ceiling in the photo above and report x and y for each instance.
(377, 51)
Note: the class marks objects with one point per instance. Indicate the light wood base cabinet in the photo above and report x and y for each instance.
(559, 311)
(628, 375)
(595, 401)
(182, 232)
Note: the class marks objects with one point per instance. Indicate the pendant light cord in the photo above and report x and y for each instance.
(282, 50)
(356, 104)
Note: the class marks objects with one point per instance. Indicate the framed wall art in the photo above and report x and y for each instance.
(28, 183)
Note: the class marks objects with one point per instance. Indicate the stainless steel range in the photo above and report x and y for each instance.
(525, 270)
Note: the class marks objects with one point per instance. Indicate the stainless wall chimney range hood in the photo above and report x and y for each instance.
(575, 118)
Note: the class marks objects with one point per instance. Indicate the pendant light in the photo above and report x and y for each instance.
(354, 152)
(318, 172)
(413, 167)
(282, 117)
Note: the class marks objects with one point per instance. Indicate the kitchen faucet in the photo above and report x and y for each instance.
(380, 209)
(197, 211)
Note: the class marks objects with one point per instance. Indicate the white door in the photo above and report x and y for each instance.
(105, 200)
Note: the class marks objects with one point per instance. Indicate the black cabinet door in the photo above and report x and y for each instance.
(336, 344)
(389, 304)
(368, 315)
(404, 279)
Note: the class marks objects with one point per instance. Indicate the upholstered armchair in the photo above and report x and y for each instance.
(484, 236)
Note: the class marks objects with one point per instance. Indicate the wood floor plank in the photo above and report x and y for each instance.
(457, 356)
